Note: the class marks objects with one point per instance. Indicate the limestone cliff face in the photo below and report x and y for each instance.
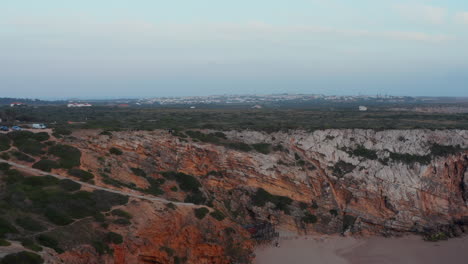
(364, 181)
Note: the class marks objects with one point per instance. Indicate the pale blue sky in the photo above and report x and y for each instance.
(123, 48)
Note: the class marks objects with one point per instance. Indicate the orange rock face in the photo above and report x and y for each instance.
(381, 195)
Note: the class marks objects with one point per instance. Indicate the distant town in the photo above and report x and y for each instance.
(255, 101)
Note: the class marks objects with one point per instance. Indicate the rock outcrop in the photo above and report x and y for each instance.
(334, 181)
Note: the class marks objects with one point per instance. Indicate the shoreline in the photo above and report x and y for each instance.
(335, 249)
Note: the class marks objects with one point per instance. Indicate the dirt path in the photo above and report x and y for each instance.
(134, 195)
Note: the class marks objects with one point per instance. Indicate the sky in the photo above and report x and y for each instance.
(152, 48)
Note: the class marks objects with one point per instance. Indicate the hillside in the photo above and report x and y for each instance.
(253, 185)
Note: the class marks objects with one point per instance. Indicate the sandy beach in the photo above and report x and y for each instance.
(378, 250)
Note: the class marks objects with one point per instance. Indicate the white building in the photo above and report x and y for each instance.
(17, 104)
(362, 108)
(38, 126)
(79, 105)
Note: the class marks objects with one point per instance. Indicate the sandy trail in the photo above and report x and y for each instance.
(375, 250)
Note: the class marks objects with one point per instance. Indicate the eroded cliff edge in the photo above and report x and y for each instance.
(327, 181)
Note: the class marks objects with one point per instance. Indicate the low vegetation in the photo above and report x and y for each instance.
(218, 215)
(341, 168)
(4, 243)
(189, 184)
(410, 158)
(201, 212)
(114, 238)
(362, 151)
(261, 197)
(46, 165)
(22, 156)
(69, 156)
(4, 142)
(115, 151)
(28, 223)
(121, 213)
(23, 257)
(263, 148)
(309, 218)
(81, 174)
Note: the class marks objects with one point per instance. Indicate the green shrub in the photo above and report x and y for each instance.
(309, 218)
(115, 151)
(69, 156)
(29, 224)
(4, 166)
(361, 151)
(209, 138)
(57, 217)
(13, 176)
(218, 215)
(22, 257)
(155, 186)
(69, 185)
(171, 206)
(334, 212)
(4, 142)
(5, 155)
(201, 212)
(239, 146)
(122, 222)
(441, 150)
(101, 248)
(4, 243)
(186, 182)
(46, 165)
(409, 158)
(41, 136)
(436, 236)
(220, 135)
(40, 181)
(314, 205)
(303, 205)
(81, 174)
(170, 252)
(99, 217)
(280, 148)
(348, 222)
(114, 238)
(29, 244)
(50, 242)
(106, 133)
(195, 198)
(121, 213)
(174, 188)
(61, 131)
(138, 172)
(261, 197)
(341, 168)
(18, 136)
(23, 157)
(31, 147)
(263, 148)
(6, 228)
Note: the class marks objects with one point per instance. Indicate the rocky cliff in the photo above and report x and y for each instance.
(328, 181)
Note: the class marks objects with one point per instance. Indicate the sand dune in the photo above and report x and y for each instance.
(376, 250)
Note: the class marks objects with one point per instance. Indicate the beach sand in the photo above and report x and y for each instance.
(375, 250)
